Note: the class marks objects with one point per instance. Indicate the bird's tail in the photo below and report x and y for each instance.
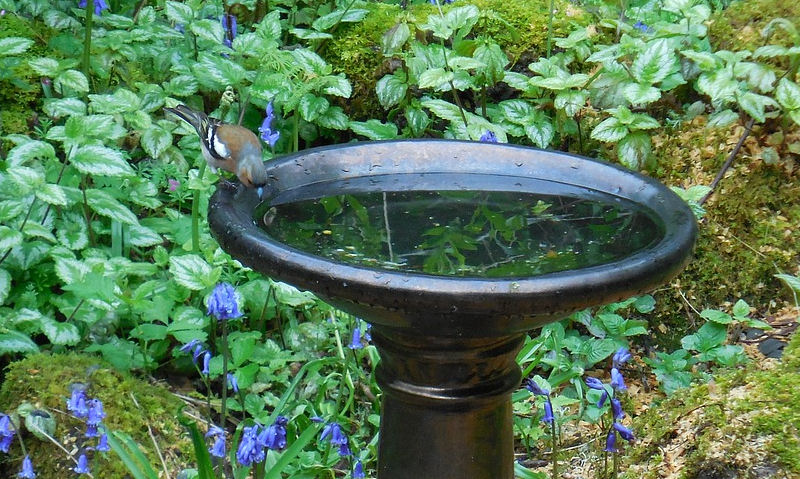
(197, 119)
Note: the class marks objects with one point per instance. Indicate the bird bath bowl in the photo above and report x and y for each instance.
(452, 251)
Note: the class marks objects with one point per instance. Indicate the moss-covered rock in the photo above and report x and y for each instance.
(43, 381)
(520, 28)
(743, 424)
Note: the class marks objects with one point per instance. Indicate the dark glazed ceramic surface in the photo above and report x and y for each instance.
(457, 306)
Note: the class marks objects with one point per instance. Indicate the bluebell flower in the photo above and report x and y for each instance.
(83, 465)
(102, 443)
(533, 387)
(214, 431)
(602, 399)
(621, 357)
(230, 28)
(250, 451)
(269, 136)
(5, 442)
(617, 381)
(358, 470)
(489, 137)
(317, 419)
(334, 431)
(94, 417)
(218, 448)
(99, 6)
(355, 341)
(189, 346)
(344, 450)
(623, 431)
(7, 431)
(642, 27)
(594, 383)
(367, 336)
(198, 351)
(76, 403)
(233, 383)
(27, 469)
(206, 360)
(274, 436)
(222, 302)
(616, 408)
(611, 442)
(548, 412)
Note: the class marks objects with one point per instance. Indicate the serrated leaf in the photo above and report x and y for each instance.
(571, 101)
(179, 12)
(60, 333)
(705, 61)
(72, 79)
(29, 151)
(770, 51)
(100, 160)
(9, 238)
(395, 38)
(16, 342)
(155, 141)
(27, 178)
(609, 130)
(121, 101)
(70, 270)
(334, 118)
(35, 230)
(634, 149)
(142, 236)
(755, 104)
(641, 93)
(14, 45)
(788, 94)
(105, 205)
(435, 78)
(218, 72)
(5, 285)
(309, 34)
(310, 61)
(642, 121)
(181, 85)
(741, 309)
(540, 130)
(339, 16)
(443, 109)
(391, 89)
(517, 111)
(193, 272)
(46, 67)
(374, 129)
(716, 316)
(60, 107)
(654, 63)
(722, 119)
(210, 30)
(51, 194)
(312, 106)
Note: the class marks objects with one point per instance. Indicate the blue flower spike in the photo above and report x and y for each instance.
(611, 442)
(355, 341)
(594, 383)
(269, 136)
(99, 6)
(27, 469)
(222, 302)
(102, 443)
(617, 381)
(7, 432)
(358, 470)
(83, 465)
(533, 387)
(623, 431)
(190, 346)
(621, 357)
(206, 361)
(218, 448)
(77, 403)
(250, 450)
(616, 408)
(489, 137)
(548, 412)
(233, 383)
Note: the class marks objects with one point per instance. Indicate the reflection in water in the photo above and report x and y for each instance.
(478, 234)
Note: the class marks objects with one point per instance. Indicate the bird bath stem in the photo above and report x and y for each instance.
(591, 233)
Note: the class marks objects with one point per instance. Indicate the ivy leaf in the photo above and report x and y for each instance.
(634, 149)
(60, 333)
(374, 129)
(105, 205)
(391, 89)
(193, 272)
(100, 160)
(655, 63)
(609, 130)
(14, 45)
(16, 342)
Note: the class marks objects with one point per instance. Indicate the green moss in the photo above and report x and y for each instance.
(520, 28)
(43, 380)
(746, 421)
(739, 26)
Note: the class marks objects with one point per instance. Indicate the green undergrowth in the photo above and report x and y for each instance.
(44, 380)
(745, 423)
(740, 25)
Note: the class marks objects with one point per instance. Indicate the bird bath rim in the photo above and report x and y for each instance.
(458, 305)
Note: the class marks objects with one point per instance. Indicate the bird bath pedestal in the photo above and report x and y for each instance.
(382, 230)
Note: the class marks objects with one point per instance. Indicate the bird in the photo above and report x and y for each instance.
(232, 148)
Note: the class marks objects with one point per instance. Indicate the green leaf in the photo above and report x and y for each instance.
(417, 119)
(790, 281)
(462, 18)
(435, 78)
(70, 270)
(14, 45)
(131, 456)
(105, 205)
(193, 272)
(716, 316)
(339, 16)
(391, 89)
(540, 129)
(100, 160)
(60, 107)
(72, 79)
(334, 118)
(571, 101)
(394, 39)
(142, 236)
(308, 34)
(641, 93)
(51, 194)
(218, 72)
(722, 119)
(705, 61)
(310, 61)
(181, 85)
(609, 130)
(443, 109)
(374, 129)
(312, 106)
(46, 67)
(60, 333)
(30, 150)
(27, 178)
(517, 111)
(179, 12)
(788, 94)
(5, 285)
(209, 30)
(709, 336)
(494, 59)
(741, 309)
(654, 63)
(121, 101)
(634, 149)
(155, 141)
(719, 85)
(755, 104)
(16, 342)
(338, 86)
(42, 424)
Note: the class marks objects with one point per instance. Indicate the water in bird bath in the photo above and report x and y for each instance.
(453, 232)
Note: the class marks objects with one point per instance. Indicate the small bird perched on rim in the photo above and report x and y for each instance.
(233, 148)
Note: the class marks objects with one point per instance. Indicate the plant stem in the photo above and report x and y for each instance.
(296, 137)
(747, 129)
(87, 38)
(550, 26)
(224, 373)
(201, 171)
(555, 448)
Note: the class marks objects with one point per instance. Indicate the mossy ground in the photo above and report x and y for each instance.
(44, 380)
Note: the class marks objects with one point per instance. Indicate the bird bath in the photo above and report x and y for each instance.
(452, 251)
